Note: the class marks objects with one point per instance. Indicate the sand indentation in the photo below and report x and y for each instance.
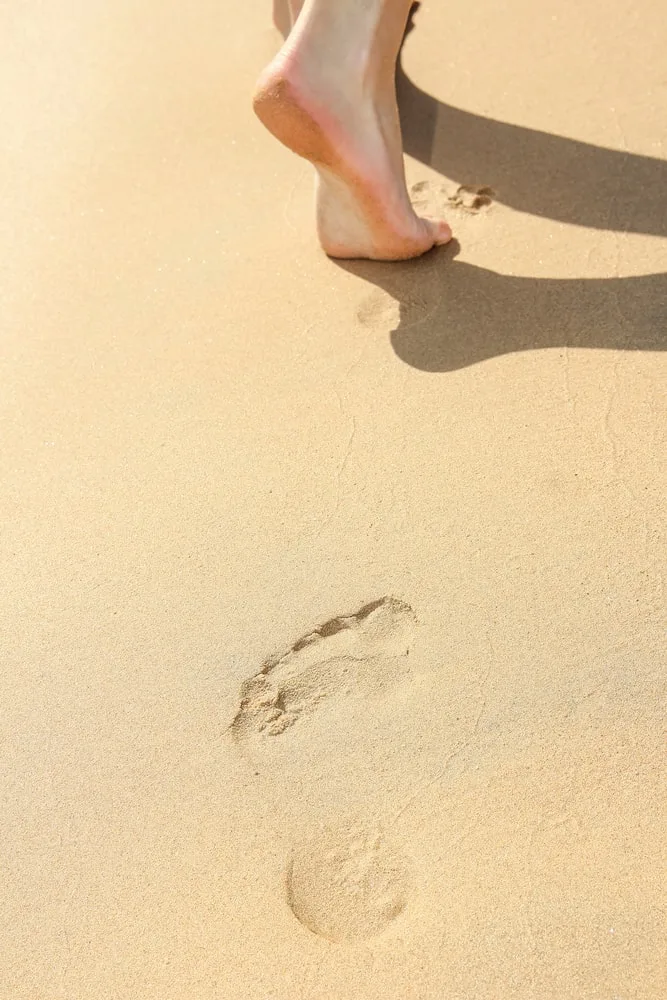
(472, 198)
(378, 310)
(364, 652)
(431, 199)
(428, 199)
(347, 885)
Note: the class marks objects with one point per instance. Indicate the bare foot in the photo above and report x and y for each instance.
(329, 96)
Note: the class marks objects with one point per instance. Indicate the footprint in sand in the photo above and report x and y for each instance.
(365, 652)
(379, 310)
(407, 299)
(430, 199)
(407, 306)
(471, 198)
(348, 884)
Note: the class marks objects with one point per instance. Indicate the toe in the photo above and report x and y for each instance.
(442, 233)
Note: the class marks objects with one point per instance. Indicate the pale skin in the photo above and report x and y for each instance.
(330, 96)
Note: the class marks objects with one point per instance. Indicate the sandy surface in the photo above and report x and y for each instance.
(333, 607)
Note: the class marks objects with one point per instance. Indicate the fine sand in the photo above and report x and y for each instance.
(333, 596)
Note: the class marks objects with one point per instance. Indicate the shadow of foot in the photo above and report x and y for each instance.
(454, 314)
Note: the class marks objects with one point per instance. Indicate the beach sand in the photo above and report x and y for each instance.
(333, 595)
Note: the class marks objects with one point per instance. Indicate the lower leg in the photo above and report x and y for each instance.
(282, 19)
(330, 96)
(285, 13)
(295, 9)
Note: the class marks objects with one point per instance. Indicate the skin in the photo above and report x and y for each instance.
(330, 96)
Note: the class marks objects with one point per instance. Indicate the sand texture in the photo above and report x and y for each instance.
(332, 614)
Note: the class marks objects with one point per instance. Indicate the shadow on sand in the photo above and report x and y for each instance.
(474, 313)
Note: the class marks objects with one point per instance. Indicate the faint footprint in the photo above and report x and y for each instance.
(428, 198)
(365, 651)
(471, 198)
(408, 295)
(379, 310)
(347, 884)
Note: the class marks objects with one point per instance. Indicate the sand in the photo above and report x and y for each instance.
(333, 605)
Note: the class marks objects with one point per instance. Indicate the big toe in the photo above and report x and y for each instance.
(442, 233)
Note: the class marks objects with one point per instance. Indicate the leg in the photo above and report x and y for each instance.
(329, 95)
(285, 13)
(295, 9)
(282, 19)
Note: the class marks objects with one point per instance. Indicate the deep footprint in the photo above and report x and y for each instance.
(364, 652)
(429, 198)
(472, 198)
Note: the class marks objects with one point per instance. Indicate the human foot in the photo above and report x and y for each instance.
(329, 96)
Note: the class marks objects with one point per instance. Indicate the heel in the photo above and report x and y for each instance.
(280, 108)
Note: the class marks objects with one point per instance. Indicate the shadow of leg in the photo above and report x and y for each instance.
(535, 172)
